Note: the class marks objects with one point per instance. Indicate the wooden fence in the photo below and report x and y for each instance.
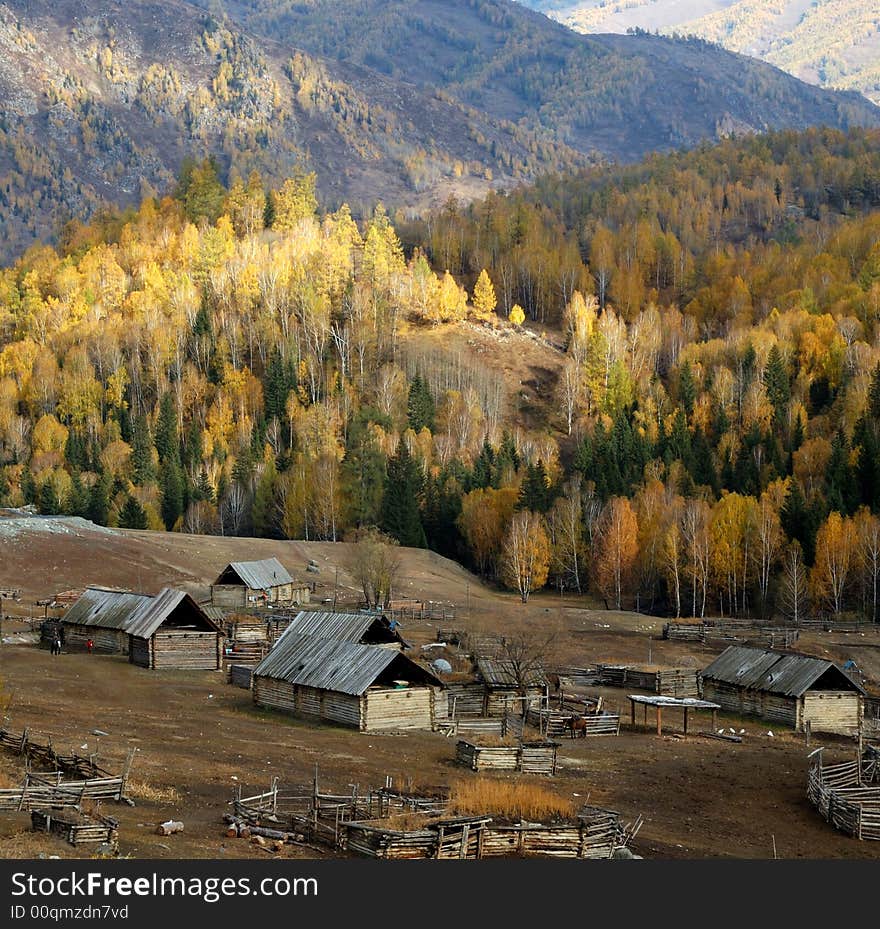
(370, 825)
(526, 757)
(848, 794)
(721, 631)
(554, 722)
(76, 827)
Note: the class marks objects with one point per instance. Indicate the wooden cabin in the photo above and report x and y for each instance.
(785, 688)
(257, 583)
(168, 631)
(365, 687)
(506, 686)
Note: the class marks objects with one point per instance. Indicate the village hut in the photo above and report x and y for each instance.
(366, 687)
(254, 583)
(168, 631)
(786, 688)
(509, 689)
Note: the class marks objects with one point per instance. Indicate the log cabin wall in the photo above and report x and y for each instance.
(106, 641)
(391, 708)
(834, 711)
(185, 650)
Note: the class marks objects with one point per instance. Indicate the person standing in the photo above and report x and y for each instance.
(90, 646)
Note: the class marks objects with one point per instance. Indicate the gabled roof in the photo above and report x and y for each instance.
(791, 675)
(345, 627)
(501, 672)
(136, 614)
(333, 664)
(258, 575)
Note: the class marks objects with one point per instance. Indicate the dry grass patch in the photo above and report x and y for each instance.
(141, 790)
(507, 799)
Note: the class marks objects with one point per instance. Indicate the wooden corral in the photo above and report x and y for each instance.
(711, 631)
(44, 755)
(365, 687)
(247, 583)
(76, 827)
(556, 721)
(406, 826)
(848, 794)
(168, 631)
(670, 682)
(785, 688)
(526, 757)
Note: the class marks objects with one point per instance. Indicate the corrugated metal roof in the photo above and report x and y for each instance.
(346, 627)
(773, 672)
(501, 672)
(260, 575)
(333, 664)
(137, 614)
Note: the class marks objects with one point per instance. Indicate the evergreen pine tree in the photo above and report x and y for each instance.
(874, 393)
(687, 389)
(99, 501)
(132, 515)
(797, 520)
(841, 492)
(77, 503)
(263, 513)
(48, 501)
(143, 470)
(400, 515)
(166, 438)
(28, 487)
(172, 485)
(420, 406)
(777, 384)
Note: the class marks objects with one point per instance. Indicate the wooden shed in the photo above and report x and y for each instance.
(252, 583)
(366, 687)
(509, 687)
(168, 631)
(786, 688)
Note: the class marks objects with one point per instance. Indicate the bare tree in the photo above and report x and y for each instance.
(793, 588)
(233, 509)
(528, 654)
(375, 565)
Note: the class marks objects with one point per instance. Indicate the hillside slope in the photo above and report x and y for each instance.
(622, 95)
(408, 102)
(104, 107)
(833, 43)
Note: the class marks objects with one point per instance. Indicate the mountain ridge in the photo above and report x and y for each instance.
(416, 103)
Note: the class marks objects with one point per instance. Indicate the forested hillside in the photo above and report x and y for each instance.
(403, 102)
(100, 104)
(834, 43)
(236, 360)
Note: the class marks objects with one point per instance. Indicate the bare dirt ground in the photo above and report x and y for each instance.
(198, 737)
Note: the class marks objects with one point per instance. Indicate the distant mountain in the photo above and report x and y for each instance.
(407, 101)
(833, 43)
(104, 105)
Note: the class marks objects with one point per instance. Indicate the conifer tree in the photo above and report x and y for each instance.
(400, 516)
(420, 406)
(132, 515)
